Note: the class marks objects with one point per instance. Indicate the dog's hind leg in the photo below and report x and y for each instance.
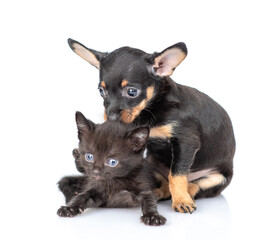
(207, 186)
(202, 184)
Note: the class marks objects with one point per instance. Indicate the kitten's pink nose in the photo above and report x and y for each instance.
(96, 172)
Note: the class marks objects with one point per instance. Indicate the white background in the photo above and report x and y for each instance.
(43, 83)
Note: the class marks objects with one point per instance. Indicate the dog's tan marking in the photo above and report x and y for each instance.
(163, 191)
(193, 189)
(150, 92)
(210, 181)
(105, 116)
(103, 84)
(181, 199)
(124, 83)
(129, 116)
(164, 131)
(207, 182)
(86, 55)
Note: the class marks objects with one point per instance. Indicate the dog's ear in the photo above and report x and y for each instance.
(85, 126)
(164, 63)
(91, 56)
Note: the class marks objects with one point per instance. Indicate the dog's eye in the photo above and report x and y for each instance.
(111, 162)
(89, 157)
(102, 92)
(132, 92)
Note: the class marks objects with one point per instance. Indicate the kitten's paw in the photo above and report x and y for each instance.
(69, 211)
(153, 219)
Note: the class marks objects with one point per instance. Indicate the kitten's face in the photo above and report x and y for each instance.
(110, 150)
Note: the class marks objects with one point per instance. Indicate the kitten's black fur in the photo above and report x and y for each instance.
(127, 184)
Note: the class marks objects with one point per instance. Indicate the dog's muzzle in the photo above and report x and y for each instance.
(113, 117)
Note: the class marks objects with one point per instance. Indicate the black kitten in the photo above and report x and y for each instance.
(115, 173)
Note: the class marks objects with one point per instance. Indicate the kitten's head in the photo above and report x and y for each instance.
(111, 149)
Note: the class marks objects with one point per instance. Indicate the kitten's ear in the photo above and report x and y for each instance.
(84, 125)
(91, 56)
(138, 138)
(164, 63)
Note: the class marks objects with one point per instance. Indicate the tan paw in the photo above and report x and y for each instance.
(162, 192)
(181, 199)
(184, 205)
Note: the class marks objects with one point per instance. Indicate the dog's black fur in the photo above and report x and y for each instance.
(190, 132)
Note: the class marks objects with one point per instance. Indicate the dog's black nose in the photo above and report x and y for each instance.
(113, 117)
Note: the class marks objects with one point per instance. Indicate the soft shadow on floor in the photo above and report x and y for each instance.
(211, 220)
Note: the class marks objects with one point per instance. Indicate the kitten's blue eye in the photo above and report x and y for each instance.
(102, 92)
(111, 162)
(89, 157)
(132, 92)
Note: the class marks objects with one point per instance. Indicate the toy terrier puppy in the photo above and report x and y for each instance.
(190, 133)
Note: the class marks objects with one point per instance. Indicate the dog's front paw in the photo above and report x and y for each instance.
(69, 211)
(184, 204)
(153, 219)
